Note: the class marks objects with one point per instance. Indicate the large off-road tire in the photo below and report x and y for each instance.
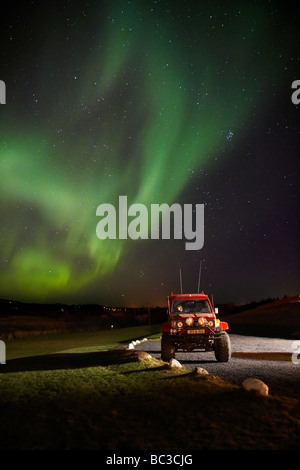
(223, 348)
(167, 348)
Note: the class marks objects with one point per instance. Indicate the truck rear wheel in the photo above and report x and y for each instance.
(223, 348)
(167, 348)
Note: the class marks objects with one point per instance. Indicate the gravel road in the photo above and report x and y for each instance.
(281, 376)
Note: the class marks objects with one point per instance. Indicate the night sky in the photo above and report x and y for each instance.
(184, 102)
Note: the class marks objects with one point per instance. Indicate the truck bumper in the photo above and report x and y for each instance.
(189, 341)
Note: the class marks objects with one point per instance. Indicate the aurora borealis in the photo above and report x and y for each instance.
(183, 102)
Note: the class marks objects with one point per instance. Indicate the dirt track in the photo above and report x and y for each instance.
(268, 359)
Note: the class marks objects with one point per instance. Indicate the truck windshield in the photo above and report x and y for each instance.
(191, 306)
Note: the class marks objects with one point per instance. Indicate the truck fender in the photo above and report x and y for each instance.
(166, 328)
(224, 325)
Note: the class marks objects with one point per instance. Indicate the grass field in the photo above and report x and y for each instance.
(78, 391)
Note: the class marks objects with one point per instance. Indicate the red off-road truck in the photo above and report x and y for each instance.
(193, 325)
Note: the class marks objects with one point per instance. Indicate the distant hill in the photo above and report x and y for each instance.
(277, 318)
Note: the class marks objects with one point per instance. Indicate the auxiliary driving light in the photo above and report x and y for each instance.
(179, 324)
(211, 323)
(189, 321)
(201, 321)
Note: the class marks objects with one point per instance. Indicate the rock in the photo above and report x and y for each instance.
(256, 385)
(200, 371)
(174, 363)
(143, 355)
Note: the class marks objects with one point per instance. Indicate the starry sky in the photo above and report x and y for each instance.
(185, 102)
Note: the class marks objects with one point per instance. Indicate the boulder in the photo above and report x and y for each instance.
(143, 355)
(201, 371)
(256, 385)
(174, 363)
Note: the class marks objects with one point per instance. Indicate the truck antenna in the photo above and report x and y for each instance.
(199, 277)
(180, 280)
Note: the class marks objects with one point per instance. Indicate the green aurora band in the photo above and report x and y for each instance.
(143, 115)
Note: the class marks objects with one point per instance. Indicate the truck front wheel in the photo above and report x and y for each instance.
(223, 348)
(167, 348)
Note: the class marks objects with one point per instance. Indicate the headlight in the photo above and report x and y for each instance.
(211, 323)
(179, 324)
(173, 324)
(189, 321)
(201, 321)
